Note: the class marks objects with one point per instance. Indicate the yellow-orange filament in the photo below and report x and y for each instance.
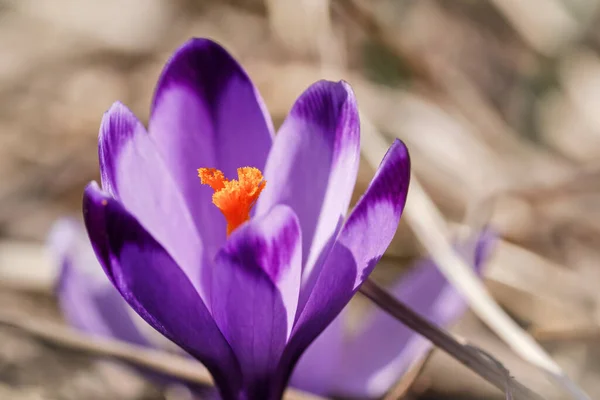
(234, 198)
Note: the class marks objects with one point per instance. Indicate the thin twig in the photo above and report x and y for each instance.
(508, 390)
(471, 358)
(179, 367)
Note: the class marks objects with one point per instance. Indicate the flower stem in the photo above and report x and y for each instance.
(473, 358)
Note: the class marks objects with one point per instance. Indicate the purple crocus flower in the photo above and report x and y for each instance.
(245, 297)
(367, 362)
(362, 365)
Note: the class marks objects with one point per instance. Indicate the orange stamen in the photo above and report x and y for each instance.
(235, 198)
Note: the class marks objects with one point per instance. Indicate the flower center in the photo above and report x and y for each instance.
(234, 198)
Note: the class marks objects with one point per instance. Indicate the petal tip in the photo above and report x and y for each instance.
(393, 176)
(190, 65)
(117, 111)
(196, 42)
(330, 104)
(116, 106)
(399, 146)
(192, 47)
(92, 191)
(118, 124)
(93, 196)
(347, 86)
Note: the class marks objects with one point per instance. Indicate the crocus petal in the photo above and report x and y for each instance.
(207, 113)
(319, 366)
(255, 293)
(313, 165)
(133, 172)
(373, 223)
(386, 349)
(361, 243)
(155, 287)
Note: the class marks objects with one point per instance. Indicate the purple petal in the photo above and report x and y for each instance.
(318, 367)
(362, 241)
(155, 287)
(89, 303)
(312, 167)
(133, 173)
(62, 240)
(256, 283)
(386, 349)
(373, 223)
(207, 113)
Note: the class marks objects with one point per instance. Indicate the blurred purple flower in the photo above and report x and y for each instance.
(91, 304)
(366, 363)
(243, 292)
(87, 299)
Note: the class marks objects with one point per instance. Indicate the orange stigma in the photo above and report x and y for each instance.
(235, 198)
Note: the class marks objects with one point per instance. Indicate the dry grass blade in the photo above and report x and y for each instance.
(430, 228)
(404, 384)
(486, 367)
(547, 35)
(570, 334)
(428, 224)
(176, 366)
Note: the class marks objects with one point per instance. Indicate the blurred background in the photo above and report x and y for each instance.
(497, 101)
